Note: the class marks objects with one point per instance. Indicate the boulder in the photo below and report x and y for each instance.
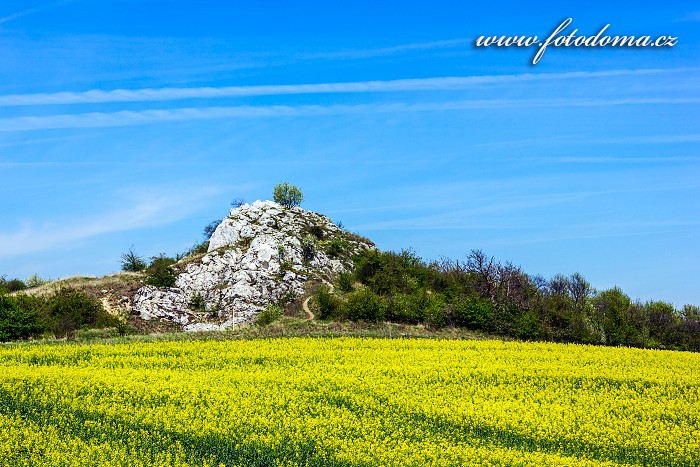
(259, 254)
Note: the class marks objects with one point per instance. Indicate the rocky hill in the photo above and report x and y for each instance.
(259, 254)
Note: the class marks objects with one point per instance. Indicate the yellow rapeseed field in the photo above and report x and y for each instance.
(347, 402)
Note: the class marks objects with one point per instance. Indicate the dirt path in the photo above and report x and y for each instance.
(305, 303)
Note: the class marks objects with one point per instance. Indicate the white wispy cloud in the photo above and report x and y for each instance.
(39, 141)
(490, 218)
(36, 9)
(501, 211)
(490, 213)
(128, 117)
(52, 165)
(139, 210)
(146, 117)
(528, 141)
(644, 139)
(587, 139)
(425, 84)
(693, 16)
(382, 51)
(607, 159)
(602, 233)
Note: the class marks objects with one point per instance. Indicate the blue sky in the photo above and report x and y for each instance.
(126, 122)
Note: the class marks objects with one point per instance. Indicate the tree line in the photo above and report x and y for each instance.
(484, 294)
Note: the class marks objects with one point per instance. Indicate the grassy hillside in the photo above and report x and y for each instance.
(347, 401)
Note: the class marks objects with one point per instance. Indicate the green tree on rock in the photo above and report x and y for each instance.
(287, 195)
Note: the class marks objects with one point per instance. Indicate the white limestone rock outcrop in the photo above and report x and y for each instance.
(260, 253)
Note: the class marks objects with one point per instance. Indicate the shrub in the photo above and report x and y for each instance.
(367, 263)
(404, 308)
(132, 262)
(12, 285)
(346, 282)
(268, 315)
(390, 273)
(287, 195)
(473, 312)
(199, 248)
(160, 272)
(337, 247)
(451, 278)
(197, 303)
(281, 254)
(329, 306)
(124, 328)
(35, 281)
(285, 266)
(308, 247)
(434, 313)
(316, 231)
(356, 237)
(365, 305)
(527, 326)
(68, 310)
(237, 202)
(19, 318)
(421, 306)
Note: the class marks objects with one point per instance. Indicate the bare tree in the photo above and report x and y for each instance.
(485, 269)
(580, 289)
